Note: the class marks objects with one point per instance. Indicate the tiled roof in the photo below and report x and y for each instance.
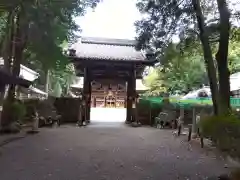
(108, 49)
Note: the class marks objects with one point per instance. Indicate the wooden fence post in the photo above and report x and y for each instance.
(194, 123)
(190, 133)
(180, 121)
(150, 114)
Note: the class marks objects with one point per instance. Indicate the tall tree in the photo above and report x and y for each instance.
(190, 20)
(207, 52)
(39, 28)
(222, 56)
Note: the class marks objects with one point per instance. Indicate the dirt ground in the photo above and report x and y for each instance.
(105, 153)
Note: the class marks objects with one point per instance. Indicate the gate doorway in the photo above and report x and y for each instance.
(99, 115)
(115, 60)
(108, 102)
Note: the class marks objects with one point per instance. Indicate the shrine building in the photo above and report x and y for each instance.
(112, 70)
(108, 94)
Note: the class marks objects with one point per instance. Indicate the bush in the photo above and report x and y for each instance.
(19, 111)
(16, 110)
(31, 108)
(224, 131)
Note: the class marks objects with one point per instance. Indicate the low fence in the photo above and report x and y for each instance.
(186, 103)
(150, 107)
(68, 108)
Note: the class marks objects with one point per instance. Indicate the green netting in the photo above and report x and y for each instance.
(187, 103)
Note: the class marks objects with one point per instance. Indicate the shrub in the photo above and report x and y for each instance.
(224, 131)
(19, 110)
(31, 108)
(16, 110)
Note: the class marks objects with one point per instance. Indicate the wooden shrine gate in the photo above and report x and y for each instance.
(109, 60)
(108, 93)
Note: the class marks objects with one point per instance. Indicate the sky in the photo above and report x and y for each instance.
(115, 19)
(110, 19)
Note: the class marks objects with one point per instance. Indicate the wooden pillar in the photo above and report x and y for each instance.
(80, 113)
(134, 95)
(86, 95)
(129, 101)
(94, 101)
(105, 101)
(131, 93)
(89, 101)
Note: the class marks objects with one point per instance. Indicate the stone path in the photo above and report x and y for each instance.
(105, 153)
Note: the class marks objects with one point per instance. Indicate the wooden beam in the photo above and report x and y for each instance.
(116, 78)
(105, 67)
(88, 61)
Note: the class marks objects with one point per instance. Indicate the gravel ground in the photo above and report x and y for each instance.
(105, 153)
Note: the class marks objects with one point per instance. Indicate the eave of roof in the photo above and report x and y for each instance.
(25, 72)
(109, 49)
(107, 41)
(7, 78)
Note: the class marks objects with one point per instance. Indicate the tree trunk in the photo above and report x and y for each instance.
(17, 55)
(6, 50)
(222, 58)
(5, 116)
(208, 58)
(47, 81)
(18, 42)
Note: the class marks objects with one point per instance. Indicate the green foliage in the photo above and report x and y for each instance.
(54, 25)
(32, 105)
(155, 84)
(57, 90)
(164, 19)
(47, 28)
(234, 51)
(17, 109)
(60, 81)
(177, 73)
(224, 131)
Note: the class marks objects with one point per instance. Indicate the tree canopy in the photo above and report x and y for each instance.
(34, 32)
(192, 21)
(177, 73)
(46, 28)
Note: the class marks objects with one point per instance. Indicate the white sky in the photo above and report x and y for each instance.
(110, 19)
(115, 19)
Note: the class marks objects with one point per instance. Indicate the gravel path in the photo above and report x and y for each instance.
(105, 153)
